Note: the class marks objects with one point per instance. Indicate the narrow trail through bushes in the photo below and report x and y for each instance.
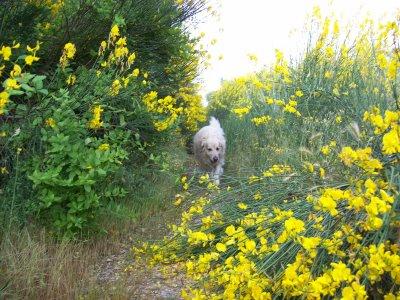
(120, 274)
(141, 281)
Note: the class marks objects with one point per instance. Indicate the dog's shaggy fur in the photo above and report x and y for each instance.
(209, 146)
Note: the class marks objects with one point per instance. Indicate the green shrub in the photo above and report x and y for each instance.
(91, 106)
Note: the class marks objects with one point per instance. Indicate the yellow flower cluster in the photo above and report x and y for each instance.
(361, 158)
(326, 149)
(104, 147)
(164, 106)
(95, 122)
(389, 125)
(53, 5)
(277, 170)
(193, 110)
(189, 106)
(241, 111)
(4, 98)
(50, 122)
(261, 120)
(166, 111)
(13, 82)
(290, 106)
(68, 54)
(71, 79)
(281, 67)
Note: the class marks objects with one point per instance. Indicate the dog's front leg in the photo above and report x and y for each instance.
(216, 173)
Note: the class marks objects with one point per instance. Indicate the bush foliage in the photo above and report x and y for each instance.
(89, 89)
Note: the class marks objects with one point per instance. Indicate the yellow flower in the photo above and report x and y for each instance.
(257, 196)
(299, 93)
(4, 98)
(310, 243)
(310, 167)
(336, 91)
(68, 53)
(220, 247)
(104, 147)
(16, 71)
(325, 150)
(249, 245)
(241, 205)
(348, 156)
(115, 88)
(354, 292)
(241, 111)
(178, 199)
(322, 172)
(34, 49)
(135, 72)
(131, 58)
(70, 50)
(6, 52)
(71, 79)
(29, 59)
(11, 84)
(95, 123)
(230, 230)
(114, 33)
(261, 120)
(329, 52)
(328, 74)
(50, 122)
(103, 46)
(391, 141)
(197, 237)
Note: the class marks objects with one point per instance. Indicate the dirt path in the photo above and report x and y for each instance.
(141, 281)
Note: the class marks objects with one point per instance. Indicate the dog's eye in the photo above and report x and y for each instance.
(209, 149)
(217, 148)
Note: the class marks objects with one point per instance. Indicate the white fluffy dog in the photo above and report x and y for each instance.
(209, 149)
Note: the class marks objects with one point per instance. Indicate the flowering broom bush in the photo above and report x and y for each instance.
(314, 212)
(67, 134)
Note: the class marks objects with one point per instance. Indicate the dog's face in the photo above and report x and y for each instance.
(213, 150)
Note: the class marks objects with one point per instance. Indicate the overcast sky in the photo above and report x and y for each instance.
(260, 26)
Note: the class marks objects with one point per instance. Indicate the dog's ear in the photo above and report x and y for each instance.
(203, 144)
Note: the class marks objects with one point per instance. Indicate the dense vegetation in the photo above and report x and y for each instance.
(91, 90)
(309, 205)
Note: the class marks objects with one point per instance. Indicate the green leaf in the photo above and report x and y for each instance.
(27, 87)
(43, 91)
(15, 92)
(122, 120)
(101, 172)
(22, 108)
(37, 121)
(38, 81)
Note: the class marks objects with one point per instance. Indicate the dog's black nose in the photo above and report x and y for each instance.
(215, 158)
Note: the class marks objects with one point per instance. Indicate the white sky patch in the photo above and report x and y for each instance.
(261, 26)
